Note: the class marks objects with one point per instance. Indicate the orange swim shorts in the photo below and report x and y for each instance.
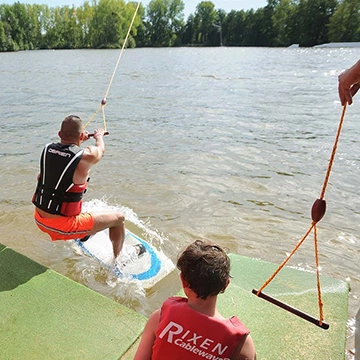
(64, 227)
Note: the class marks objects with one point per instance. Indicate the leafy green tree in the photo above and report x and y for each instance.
(165, 21)
(313, 20)
(67, 28)
(53, 28)
(233, 28)
(345, 23)
(21, 26)
(249, 30)
(267, 25)
(12, 32)
(73, 29)
(260, 27)
(188, 35)
(282, 18)
(107, 23)
(85, 18)
(35, 15)
(2, 37)
(205, 17)
(137, 24)
(216, 36)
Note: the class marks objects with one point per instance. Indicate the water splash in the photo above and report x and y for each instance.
(102, 278)
(130, 216)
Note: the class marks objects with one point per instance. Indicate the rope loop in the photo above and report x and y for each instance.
(317, 212)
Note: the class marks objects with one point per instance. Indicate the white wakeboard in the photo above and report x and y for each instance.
(148, 268)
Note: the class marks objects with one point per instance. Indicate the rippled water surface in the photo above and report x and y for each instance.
(230, 144)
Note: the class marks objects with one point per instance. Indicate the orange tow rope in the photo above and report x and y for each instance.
(317, 212)
(103, 101)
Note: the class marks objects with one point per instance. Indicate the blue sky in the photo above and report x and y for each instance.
(190, 5)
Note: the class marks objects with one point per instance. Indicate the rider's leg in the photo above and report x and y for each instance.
(115, 222)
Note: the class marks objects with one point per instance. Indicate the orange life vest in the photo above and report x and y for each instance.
(185, 333)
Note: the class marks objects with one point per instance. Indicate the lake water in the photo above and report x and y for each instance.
(230, 144)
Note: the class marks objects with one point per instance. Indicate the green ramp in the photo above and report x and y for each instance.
(44, 315)
(277, 333)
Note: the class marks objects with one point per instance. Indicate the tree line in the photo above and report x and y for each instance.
(105, 23)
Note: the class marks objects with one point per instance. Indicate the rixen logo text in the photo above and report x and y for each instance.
(197, 344)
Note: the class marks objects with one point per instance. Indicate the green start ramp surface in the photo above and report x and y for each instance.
(278, 334)
(44, 315)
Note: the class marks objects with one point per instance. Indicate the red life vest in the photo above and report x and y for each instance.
(185, 333)
(55, 192)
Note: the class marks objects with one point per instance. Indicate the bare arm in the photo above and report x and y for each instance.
(349, 83)
(245, 349)
(92, 155)
(144, 350)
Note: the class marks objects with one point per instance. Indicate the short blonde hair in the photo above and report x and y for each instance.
(71, 128)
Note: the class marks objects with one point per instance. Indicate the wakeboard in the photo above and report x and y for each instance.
(149, 267)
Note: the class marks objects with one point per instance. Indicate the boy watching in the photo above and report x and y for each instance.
(192, 328)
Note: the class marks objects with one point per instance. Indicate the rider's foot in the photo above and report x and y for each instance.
(140, 249)
(85, 238)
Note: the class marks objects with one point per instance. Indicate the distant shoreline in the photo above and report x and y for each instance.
(339, 45)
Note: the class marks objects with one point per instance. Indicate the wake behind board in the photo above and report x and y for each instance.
(148, 268)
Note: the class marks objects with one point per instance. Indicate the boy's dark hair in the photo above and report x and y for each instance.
(205, 267)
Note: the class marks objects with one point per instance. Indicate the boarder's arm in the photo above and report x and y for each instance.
(144, 350)
(93, 153)
(349, 83)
